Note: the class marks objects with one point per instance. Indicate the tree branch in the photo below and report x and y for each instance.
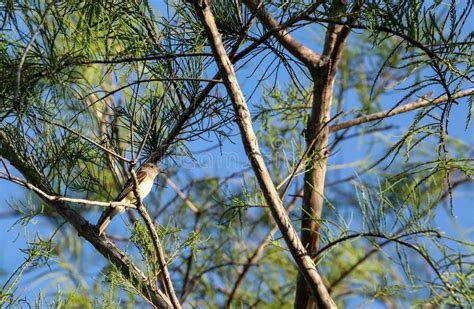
(311, 59)
(420, 103)
(57, 198)
(181, 194)
(110, 152)
(318, 130)
(303, 260)
(136, 59)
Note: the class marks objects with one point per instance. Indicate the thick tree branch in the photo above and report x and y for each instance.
(303, 260)
(318, 130)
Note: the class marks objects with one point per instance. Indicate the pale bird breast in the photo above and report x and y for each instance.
(144, 189)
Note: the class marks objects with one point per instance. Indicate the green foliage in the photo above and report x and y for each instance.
(121, 75)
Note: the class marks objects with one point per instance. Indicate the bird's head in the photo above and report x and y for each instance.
(151, 168)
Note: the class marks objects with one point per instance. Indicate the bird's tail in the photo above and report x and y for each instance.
(106, 218)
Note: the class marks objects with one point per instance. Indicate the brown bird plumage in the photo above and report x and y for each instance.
(146, 175)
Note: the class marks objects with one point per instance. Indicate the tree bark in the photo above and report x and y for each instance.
(314, 177)
(317, 128)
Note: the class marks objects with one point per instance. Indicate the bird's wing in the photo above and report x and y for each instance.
(110, 212)
(128, 187)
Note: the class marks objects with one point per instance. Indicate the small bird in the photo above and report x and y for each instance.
(146, 175)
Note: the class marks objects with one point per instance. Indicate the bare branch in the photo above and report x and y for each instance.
(57, 198)
(317, 136)
(420, 103)
(311, 59)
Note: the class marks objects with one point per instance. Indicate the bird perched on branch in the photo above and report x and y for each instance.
(146, 175)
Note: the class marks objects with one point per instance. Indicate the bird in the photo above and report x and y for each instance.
(146, 175)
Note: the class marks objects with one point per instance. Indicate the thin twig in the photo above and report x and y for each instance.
(181, 194)
(349, 270)
(303, 158)
(27, 49)
(132, 121)
(65, 199)
(398, 240)
(420, 103)
(6, 169)
(257, 253)
(136, 59)
(83, 137)
(436, 60)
